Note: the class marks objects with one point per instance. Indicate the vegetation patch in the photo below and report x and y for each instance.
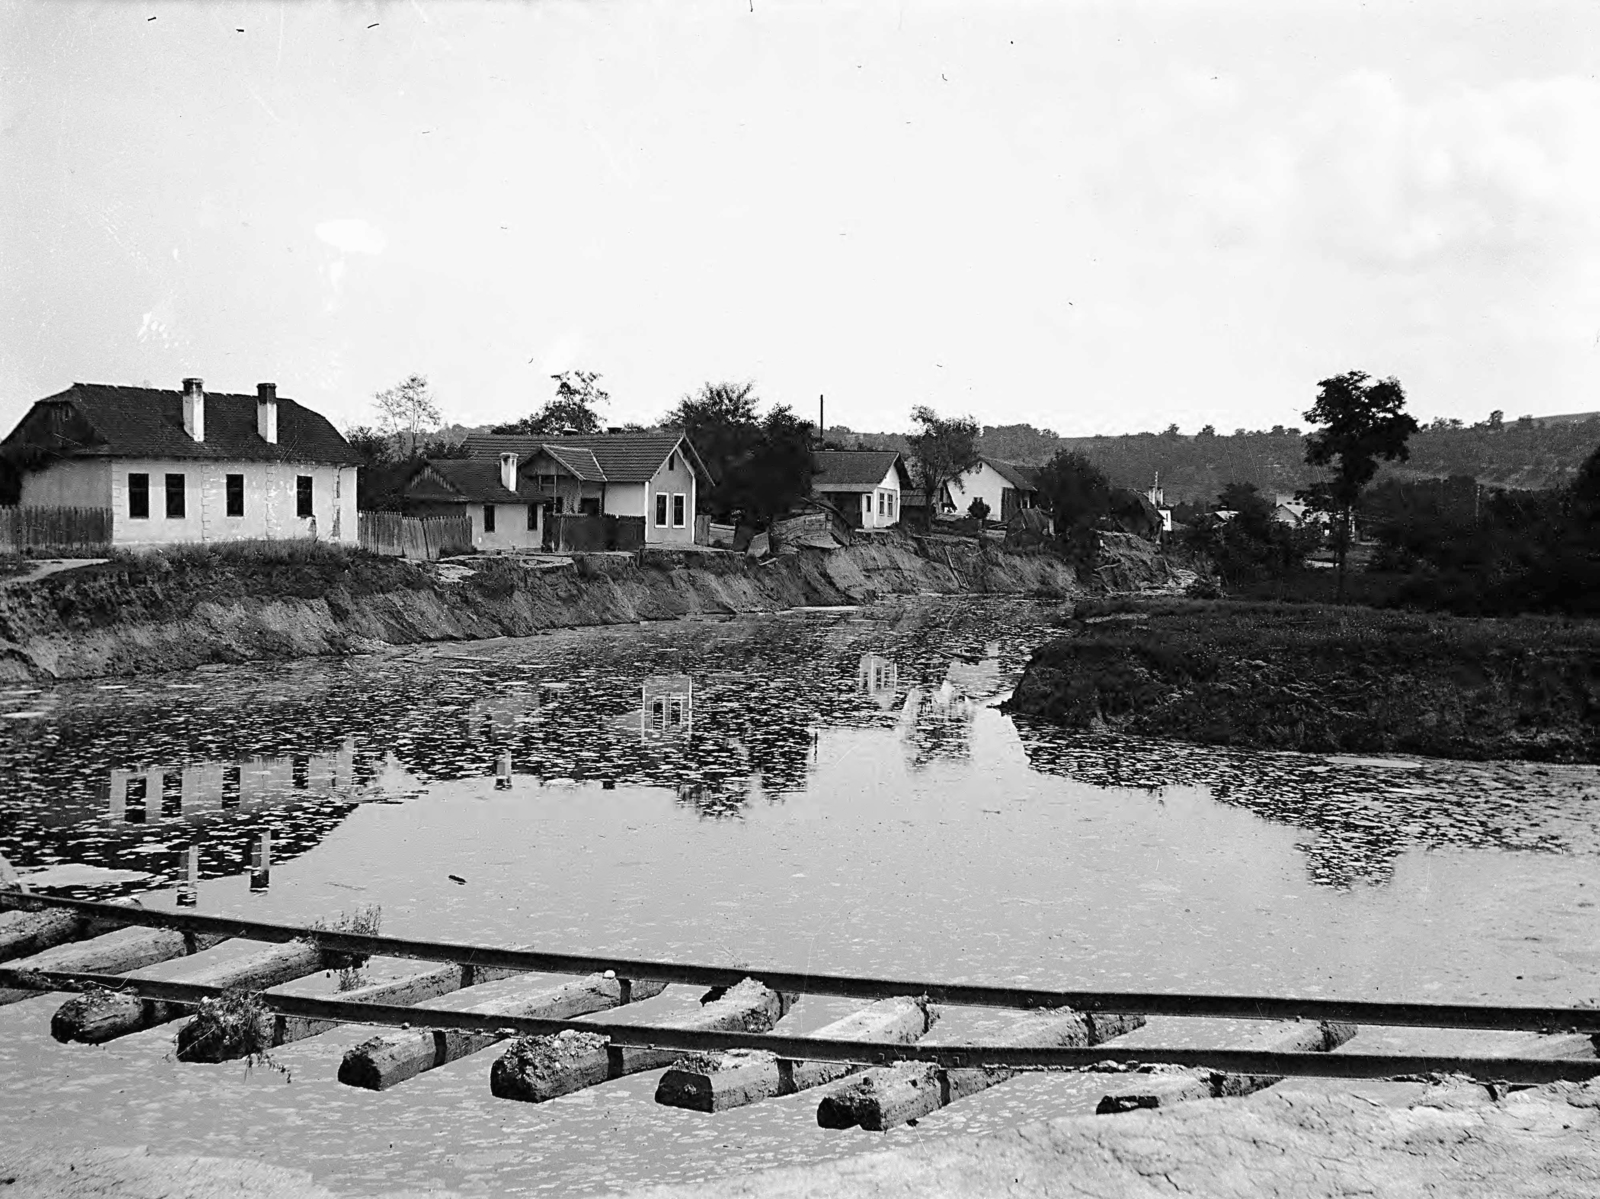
(236, 1025)
(364, 922)
(1325, 679)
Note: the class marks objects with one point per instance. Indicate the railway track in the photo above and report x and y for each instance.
(882, 1065)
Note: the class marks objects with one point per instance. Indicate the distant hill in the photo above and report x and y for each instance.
(1529, 452)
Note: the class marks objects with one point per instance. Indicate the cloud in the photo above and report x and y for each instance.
(353, 236)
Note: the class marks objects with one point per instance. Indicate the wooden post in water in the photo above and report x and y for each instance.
(535, 1069)
(393, 1057)
(189, 889)
(888, 1096)
(715, 1083)
(261, 862)
(99, 1017)
(1167, 1086)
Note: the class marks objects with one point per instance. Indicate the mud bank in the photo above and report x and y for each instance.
(138, 617)
(1325, 680)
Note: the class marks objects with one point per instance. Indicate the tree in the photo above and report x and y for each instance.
(375, 448)
(573, 410)
(1207, 431)
(760, 466)
(1362, 421)
(1077, 494)
(1251, 544)
(978, 509)
(942, 448)
(406, 411)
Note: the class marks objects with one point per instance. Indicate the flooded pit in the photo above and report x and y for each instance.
(825, 791)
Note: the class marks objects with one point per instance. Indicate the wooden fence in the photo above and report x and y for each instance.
(424, 537)
(63, 530)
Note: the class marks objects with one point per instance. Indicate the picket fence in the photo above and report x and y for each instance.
(424, 537)
(65, 531)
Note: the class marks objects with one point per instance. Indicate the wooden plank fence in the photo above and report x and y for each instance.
(66, 531)
(423, 537)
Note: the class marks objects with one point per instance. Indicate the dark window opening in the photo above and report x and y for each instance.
(235, 495)
(589, 505)
(488, 518)
(133, 808)
(661, 511)
(174, 497)
(302, 495)
(171, 794)
(678, 510)
(139, 497)
(533, 516)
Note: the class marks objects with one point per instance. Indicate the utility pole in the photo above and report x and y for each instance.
(822, 424)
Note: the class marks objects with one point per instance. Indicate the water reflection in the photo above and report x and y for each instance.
(1361, 814)
(179, 780)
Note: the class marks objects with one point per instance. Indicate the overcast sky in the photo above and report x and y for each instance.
(1090, 217)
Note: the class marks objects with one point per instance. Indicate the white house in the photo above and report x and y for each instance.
(865, 485)
(185, 466)
(651, 480)
(1004, 486)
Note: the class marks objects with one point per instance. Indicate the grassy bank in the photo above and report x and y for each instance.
(1325, 679)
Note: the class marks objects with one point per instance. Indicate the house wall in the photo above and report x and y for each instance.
(269, 499)
(981, 482)
(75, 483)
(511, 530)
(680, 481)
(625, 499)
(861, 504)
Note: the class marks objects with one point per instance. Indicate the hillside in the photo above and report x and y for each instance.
(1531, 452)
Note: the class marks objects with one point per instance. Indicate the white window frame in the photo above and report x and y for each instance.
(663, 509)
(680, 510)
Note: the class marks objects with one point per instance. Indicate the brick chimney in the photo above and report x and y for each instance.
(508, 471)
(267, 412)
(194, 408)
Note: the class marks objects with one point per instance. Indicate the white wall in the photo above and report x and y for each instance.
(981, 482)
(670, 482)
(882, 504)
(269, 499)
(625, 499)
(511, 530)
(75, 483)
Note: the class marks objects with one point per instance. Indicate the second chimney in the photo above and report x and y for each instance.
(267, 412)
(194, 408)
(508, 471)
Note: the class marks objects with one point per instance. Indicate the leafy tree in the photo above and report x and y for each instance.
(406, 411)
(374, 447)
(1207, 431)
(1252, 544)
(1077, 494)
(573, 410)
(978, 510)
(942, 448)
(760, 466)
(1362, 421)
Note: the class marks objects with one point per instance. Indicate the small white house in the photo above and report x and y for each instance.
(651, 479)
(865, 485)
(1004, 486)
(185, 466)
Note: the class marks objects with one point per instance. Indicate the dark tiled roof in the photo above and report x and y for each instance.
(475, 480)
(145, 422)
(620, 457)
(856, 468)
(580, 461)
(1024, 478)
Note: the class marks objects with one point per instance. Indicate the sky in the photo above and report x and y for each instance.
(1090, 217)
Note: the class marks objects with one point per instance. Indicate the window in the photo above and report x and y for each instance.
(891, 504)
(661, 510)
(882, 507)
(235, 495)
(488, 518)
(533, 516)
(139, 497)
(672, 460)
(174, 497)
(302, 495)
(678, 509)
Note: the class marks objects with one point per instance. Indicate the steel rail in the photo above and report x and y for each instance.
(1156, 1003)
(871, 1053)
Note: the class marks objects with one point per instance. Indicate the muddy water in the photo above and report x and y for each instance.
(828, 791)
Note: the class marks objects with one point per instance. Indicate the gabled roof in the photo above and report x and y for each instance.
(103, 420)
(474, 480)
(579, 462)
(618, 457)
(856, 468)
(1023, 478)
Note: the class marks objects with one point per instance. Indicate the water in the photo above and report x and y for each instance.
(826, 791)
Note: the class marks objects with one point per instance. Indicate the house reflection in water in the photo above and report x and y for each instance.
(879, 678)
(937, 723)
(666, 708)
(179, 792)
